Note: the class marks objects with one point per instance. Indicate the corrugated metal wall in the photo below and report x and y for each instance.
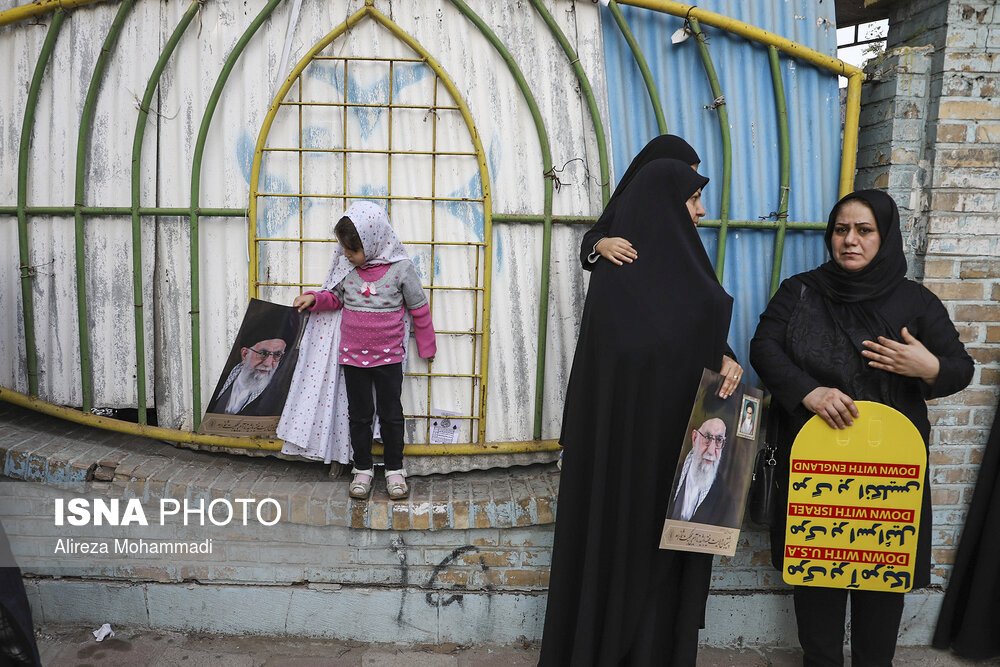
(505, 127)
(502, 119)
(745, 80)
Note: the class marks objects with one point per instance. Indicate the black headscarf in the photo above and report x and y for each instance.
(266, 321)
(848, 293)
(886, 270)
(665, 146)
(661, 299)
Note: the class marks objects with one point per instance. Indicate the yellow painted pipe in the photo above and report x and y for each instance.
(144, 430)
(749, 32)
(854, 74)
(852, 119)
(260, 444)
(37, 8)
(472, 448)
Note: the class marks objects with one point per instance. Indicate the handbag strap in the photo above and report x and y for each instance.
(771, 428)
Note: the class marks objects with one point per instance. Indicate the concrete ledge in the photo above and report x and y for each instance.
(466, 559)
(38, 448)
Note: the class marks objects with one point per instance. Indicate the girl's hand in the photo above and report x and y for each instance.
(430, 359)
(909, 358)
(304, 301)
(616, 249)
(834, 406)
(732, 372)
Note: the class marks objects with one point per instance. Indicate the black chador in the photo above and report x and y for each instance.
(649, 329)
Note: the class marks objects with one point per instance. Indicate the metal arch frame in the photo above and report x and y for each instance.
(640, 61)
(22, 210)
(543, 310)
(854, 75)
(727, 145)
(27, 125)
(83, 142)
(78, 210)
(546, 217)
(774, 43)
(140, 131)
(39, 8)
(369, 11)
(196, 162)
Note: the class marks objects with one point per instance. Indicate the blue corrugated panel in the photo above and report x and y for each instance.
(745, 80)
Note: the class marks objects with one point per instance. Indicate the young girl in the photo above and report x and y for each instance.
(371, 279)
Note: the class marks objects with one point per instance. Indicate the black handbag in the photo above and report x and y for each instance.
(762, 501)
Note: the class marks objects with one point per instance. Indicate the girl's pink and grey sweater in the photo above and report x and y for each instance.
(373, 329)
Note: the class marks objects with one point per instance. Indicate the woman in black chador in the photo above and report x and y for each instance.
(649, 329)
(855, 329)
(969, 622)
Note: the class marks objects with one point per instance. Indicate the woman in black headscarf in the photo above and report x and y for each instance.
(649, 329)
(616, 249)
(855, 329)
(17, 636)
(970, 612)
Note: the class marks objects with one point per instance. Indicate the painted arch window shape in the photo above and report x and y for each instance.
(368, 114)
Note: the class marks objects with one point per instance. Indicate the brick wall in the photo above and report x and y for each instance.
(285, 553)
(930, 135)
(892, 150)
(419, 586)
(464, 559)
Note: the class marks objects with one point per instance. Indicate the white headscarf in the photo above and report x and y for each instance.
(314, 421)
(378, 238)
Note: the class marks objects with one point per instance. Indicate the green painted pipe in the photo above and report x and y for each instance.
(759, 224)
(543, 300)
(203, 212)
(199, 150)
(533, 218)
(140, 130)
(497, 217)
(704, 222)
(727, 146)
(784, 143)
(255, 443)
(124, 210)
(543, 143)
(640, 60)
(82, 148)
(588, 94)
(27, 302)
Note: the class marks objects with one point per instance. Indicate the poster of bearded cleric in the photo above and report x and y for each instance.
(254, 383)
(710, 487)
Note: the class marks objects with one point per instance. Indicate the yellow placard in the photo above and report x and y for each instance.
(854, 499)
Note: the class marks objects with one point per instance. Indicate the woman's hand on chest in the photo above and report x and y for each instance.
(909, 358)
